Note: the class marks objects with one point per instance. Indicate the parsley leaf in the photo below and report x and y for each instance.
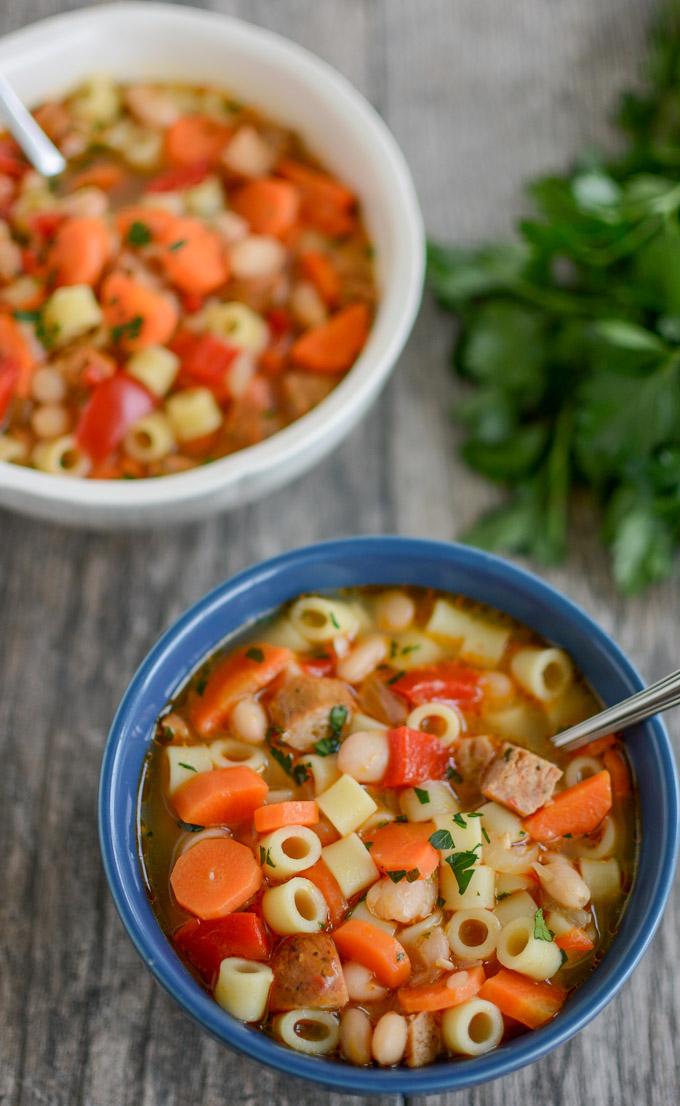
(397, 876)
(255, 654)
(139, 234)
(336, 720)
(460, 821)
(441, 839)
(127, 330)
(189, 827)
(298, 772)
(463, 867)
(541, 931)
(422, 795)
(189, 767)
(266, 857)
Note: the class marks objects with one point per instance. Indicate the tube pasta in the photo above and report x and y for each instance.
(184, 761)
(70, 312)
(505, 857)
(498, 820)
(193, 413)
(480, 892)
(481, 642)
(296, 906)
(289, 850)
(518, 905)
(318, 619)
(447, 715)
(523, 723)
(321, 1027)
(543, 673)
(580, 768)
(150, 439)
(228, 753)
(603, 878)
(507, 883)
(242, 988)
(346, 804)
(61, 457)
(434, 797)
(324, 771)
(155, 367)
(362, 721)
(472, 1028)
(350, 862)
(602, 846)
(413, 649)
(282, 632)
(519, 950)
(472, 934)
(237, 324)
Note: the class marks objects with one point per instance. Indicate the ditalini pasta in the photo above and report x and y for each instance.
(193, 282)
(358, 836)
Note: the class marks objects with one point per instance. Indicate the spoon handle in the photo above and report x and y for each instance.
(40, 151)
(662, 695)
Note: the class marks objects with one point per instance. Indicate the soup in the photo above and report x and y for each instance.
(193, 283)
(357, 835)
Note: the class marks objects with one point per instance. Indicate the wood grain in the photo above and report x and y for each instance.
(480, 94)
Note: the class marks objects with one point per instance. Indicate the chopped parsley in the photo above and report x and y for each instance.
(409, 649)
(266, 857)
(397, 676)
(178, 245)
(460, 821)
(397, 876)
(564, 958)
(541, 931)
(255, 654)
(486, 836)
(327, 746)
(463, 867)
(139, 234)
(422, 795)
(189, 767)
(130, 329)
(298, 772)
(411, 876)
(441, 902)
(26, 316)
(441, 839)
(474, 814)
(166, 736)
(503, 895)
(334, 621)
(337, 719)
(507, 754)
(401, 818)
(453, 774)
(201, 684)
(189, 827)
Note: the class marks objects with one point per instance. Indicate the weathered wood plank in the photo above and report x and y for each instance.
(480, 95)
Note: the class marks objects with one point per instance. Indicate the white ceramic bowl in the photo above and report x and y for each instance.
(163, 41)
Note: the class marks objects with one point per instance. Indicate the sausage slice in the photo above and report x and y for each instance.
(520, 780)
(301, 708)
(307, 973)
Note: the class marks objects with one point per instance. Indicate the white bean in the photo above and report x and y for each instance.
(563, 883)
(151, 106)
(248, 721)
(389, 1039)
(230, 227)
(48, 385)
(50, 421)
(306, 304)
(248, 154)
(498, 688)
(356, 1034)
(394, 611)
(362, 985)
(365, 755)
(363, 659)
(257, 257)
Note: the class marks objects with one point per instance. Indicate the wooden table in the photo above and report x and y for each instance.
(479, 93)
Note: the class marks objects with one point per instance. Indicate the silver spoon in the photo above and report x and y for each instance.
(662, 695)
(40, 151)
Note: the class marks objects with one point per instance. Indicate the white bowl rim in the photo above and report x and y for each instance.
(366, 376)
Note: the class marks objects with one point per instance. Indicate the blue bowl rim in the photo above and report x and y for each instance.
(156, 951)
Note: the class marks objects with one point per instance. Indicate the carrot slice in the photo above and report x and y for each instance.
(194, 139)
(375, 949)
(595, 748)
(578, 810)
(404, 847)
(322, 877)
(276, 815)
(215, 877)
(225, 796)
(320, 270)
(574, 940)
(317, 186)
(15, 351)
(527, 1001)
(333, 346)
(240, 674)
(80, 249)
(106, 175)
(616, 764)
(448, 991)
(270, 206)
(194, 258)
(139, 316)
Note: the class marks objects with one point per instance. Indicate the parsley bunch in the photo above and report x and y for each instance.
(570, 338)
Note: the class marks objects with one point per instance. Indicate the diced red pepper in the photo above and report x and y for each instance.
(192, 302)
(114, 406)
(174, 180)
(448, 681)
(205, 360)
(206, 944)
(46, 223)
(414, 757)
(279, 322)
(12, 162)
(31, 263)
(9, 375)
(318, 666)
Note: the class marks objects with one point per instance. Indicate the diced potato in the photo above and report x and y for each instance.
(193, 413)
(603, 878)
(480, 892)
(70, 312)
(481, 642)
(205, 199)
(466, 834)
(346, 804)
(423, 803)
(412, 649)
(350, 862)
(237, 324)
(97, 100)
(184, 761)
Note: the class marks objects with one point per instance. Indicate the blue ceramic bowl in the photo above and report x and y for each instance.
(380, 560)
